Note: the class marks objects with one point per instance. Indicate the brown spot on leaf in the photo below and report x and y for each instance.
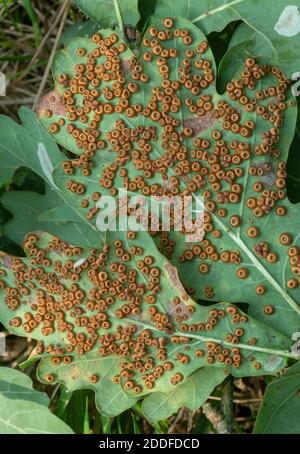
(269, 177)
(200, 124)
(7, 260)
(51, 101)
(172, 273)
(125, 66)
(75, 373)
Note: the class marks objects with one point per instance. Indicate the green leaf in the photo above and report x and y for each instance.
(260, 43)
(280, 409)
(191, 394)
(29, 145)
(103, 11)
(111, 399)
(24, 410)
(82, 29)
(71, 408)
(245, 43)
(280, 23)
(86, 429)
(255, 175)
(32, 211)
(293, 182)
(96, 326)
(35, 21)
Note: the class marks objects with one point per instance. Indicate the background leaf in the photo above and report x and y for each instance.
(24, 410)
(32, 211)
(29, 145)
(280, 409)
(103, 11)
(20, 147)
(214, 15)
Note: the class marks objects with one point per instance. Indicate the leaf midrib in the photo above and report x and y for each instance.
(222, 342)
(217, 10)
(242, 245)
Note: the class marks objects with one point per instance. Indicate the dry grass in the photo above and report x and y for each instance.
(27, 40)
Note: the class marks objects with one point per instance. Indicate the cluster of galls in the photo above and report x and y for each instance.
(109, 302)
(118, 84)
(213, 161)
(168, 136)
(208, 251)
(216, 352)
(174, 137)
(294, 259)
(53, 280)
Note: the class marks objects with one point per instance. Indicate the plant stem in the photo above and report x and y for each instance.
(119, 17)
(227, 403)
(216, 417)
(56, 389)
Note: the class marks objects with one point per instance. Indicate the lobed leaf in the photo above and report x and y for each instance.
(162, 108)
(111, 399)
(29, 145)
(233, 154)
(24, 410)
(192, 393)
(118, 320)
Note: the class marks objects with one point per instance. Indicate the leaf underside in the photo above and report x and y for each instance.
(235, 158)
(118, 320)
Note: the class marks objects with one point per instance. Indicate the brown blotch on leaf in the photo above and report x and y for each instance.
(51, 102)
(200, 124)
